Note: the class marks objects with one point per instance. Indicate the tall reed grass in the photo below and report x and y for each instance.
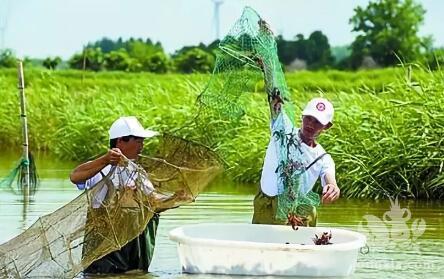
(387, 137)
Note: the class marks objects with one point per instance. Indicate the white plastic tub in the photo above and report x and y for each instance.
(249, 249)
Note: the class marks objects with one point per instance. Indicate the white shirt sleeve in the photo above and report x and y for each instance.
(327, 167)
(269, 178)
(91, 182)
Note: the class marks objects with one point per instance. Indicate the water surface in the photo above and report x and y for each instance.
(398, 249)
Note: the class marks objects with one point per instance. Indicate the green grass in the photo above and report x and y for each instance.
(387, 136)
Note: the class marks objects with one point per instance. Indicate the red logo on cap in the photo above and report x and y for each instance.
(320, 106)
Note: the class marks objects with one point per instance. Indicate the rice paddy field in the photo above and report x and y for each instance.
(387, 137)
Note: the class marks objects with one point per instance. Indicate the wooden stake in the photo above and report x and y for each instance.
(21, 87)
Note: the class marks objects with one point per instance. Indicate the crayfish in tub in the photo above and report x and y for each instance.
(295, 221)
(323, 240)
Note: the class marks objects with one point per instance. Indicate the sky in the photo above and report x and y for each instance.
(42, 28)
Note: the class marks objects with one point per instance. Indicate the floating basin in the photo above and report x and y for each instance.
(252, 249)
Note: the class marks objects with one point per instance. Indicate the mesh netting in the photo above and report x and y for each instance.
(247, 55)
(115, 211)
(18, 174)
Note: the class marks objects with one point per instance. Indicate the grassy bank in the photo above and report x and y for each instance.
(387, 136)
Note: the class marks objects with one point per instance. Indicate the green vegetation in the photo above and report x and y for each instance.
(387, 136)
(136, 55)
(315, 50)
(387, 32)
(51, 63)
(7, 59)
(194, 60)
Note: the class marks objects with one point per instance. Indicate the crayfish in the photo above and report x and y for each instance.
(295, 221)
(323, 240)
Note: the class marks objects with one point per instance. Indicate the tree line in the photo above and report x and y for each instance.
(386, 34)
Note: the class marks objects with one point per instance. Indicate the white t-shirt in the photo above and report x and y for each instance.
(269, 178)
(121, 176)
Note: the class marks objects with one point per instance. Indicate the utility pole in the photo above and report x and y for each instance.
(217, 4)
(4, 11)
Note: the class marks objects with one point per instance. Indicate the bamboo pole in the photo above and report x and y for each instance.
(21, 87)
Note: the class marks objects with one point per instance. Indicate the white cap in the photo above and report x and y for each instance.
(129, 126)
(321, 109)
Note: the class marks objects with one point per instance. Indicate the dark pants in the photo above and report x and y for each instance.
(136, 254)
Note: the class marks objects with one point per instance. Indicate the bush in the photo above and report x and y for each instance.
(7, 59)
(157, 63)
(194, 60)
(90, 59)
(119, 60)
(51, 63)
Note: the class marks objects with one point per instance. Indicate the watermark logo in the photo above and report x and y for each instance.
(396, 230)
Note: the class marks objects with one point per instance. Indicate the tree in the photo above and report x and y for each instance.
(89, 59)
(315, 51)
(194, 60)
(7, 59)
(287, 50)
(132, 55)
(213, 46)
(119, 60)
(51, 63)
(210, 48)
(157, 63)
(150, 56)
(387, 29)
(141, 50)
(184, 49)
(319, 52)
(107, 45)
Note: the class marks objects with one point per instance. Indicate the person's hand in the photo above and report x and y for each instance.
(330, 193)
(113, 156)
(276, 101)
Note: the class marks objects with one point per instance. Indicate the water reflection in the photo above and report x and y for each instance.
(228, 202)
(25, 209)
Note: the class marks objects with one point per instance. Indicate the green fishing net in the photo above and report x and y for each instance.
(18, 175)
(247, 55)
(110, 214)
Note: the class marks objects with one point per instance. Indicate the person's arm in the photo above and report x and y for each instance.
(331, 191)
(87, 170)
(276, 103)
(274, 96)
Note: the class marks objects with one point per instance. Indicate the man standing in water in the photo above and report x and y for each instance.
(126, 139)
(316, 118)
